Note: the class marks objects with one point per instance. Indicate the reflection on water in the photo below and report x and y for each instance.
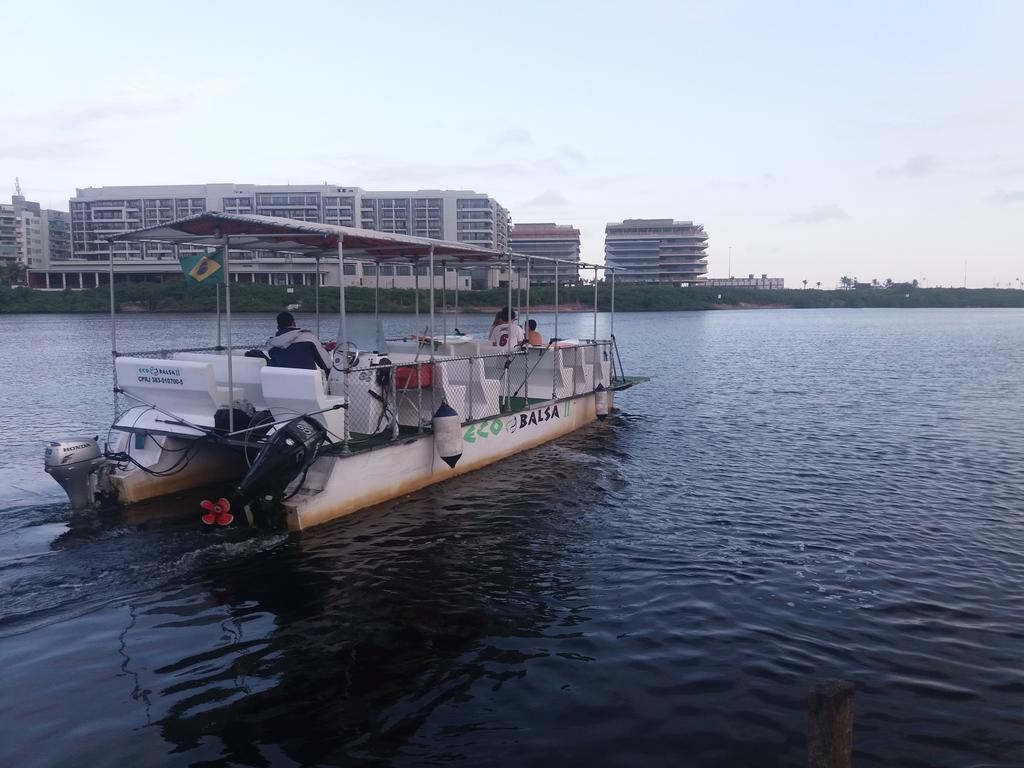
(796, 495)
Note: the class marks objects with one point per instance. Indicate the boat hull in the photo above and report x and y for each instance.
(210, 464)
(350, 483)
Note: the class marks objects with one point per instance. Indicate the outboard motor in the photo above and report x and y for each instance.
(71, 462)
(290, 451)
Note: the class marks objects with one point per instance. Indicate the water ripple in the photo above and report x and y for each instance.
(795, 495)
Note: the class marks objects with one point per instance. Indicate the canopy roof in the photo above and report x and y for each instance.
(269, 233)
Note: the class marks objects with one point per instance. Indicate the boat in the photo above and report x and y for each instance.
(299, 448)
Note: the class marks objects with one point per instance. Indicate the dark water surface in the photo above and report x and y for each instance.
(796, 495)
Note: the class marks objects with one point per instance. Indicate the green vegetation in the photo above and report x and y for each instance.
(12, 273)
(154, 297)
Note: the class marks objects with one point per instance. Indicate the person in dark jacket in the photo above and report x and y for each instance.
(292, 347)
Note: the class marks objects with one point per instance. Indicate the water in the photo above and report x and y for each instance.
(796, 495)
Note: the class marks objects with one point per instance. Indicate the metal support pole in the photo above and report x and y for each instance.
(113, 325)
(433, 389)
(316, 295)
(394, 402)
(227, 324)
(595, 303)
(416, 290)
(611, 320)
(444, 300)
(526, 316)
(430, 293)
(556, 300)
(575, 367)
(219, 342)
(456, 296)
(508, 347)
(469, 389)
(342, 319)
(519, 286)
(419, 396)
(557, 362)
(376, 294)
(526, 328)
(343, 333)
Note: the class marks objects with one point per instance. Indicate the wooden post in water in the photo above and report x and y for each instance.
(830, 725)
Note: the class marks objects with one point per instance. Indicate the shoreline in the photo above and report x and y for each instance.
(149, 298)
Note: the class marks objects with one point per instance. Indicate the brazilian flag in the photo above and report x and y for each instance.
(205, 268)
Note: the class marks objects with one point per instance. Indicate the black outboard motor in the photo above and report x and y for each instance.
(290, 451)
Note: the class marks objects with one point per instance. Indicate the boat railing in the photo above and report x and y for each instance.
(389, 399)
(171, 352)
(393, 397)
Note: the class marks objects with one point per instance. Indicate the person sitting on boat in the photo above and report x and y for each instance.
(505, 333)
(533, 337)
(292, 347)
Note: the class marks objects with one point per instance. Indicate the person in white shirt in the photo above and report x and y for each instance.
(505, 333)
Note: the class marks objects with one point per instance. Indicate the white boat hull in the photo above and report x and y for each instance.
(340, 485)
(211, 464)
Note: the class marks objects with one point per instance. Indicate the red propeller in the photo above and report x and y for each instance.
(217, 512)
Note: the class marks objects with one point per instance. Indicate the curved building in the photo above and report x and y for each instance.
(657, 251)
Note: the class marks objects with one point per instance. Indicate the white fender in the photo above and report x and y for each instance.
(448, 434)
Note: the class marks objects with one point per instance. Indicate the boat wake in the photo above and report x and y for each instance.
(56, 565)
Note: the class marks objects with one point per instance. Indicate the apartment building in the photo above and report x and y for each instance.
(558, 241)
(465, 216)
(32, 235)
(98, 213)
(657, 251)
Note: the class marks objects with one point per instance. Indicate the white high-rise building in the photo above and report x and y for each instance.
(98, 213)
(31, 235)
(558, 241)
(460, 215)
(657, 251)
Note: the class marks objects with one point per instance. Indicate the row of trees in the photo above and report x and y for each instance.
(852, 282)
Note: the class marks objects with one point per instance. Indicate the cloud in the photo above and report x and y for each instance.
(149, 100)
(56, 149)
(915, 167)
(1003, 197)
(770, 178)
(572, 155)
(384, 172)
(548, 199)
(516, 136)
(819, 214)
(609, 180)
(1000, 165)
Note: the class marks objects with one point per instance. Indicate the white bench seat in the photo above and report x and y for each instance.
(292, 392)
(185, 388)
(245, 373)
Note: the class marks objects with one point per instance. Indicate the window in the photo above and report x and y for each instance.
(464, 203)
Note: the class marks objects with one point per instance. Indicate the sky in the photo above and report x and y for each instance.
(812, 140)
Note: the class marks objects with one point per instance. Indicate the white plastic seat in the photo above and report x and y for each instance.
(185, 388)
(481, 394)
(292, 392)
(549, 373)
(245, 372)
